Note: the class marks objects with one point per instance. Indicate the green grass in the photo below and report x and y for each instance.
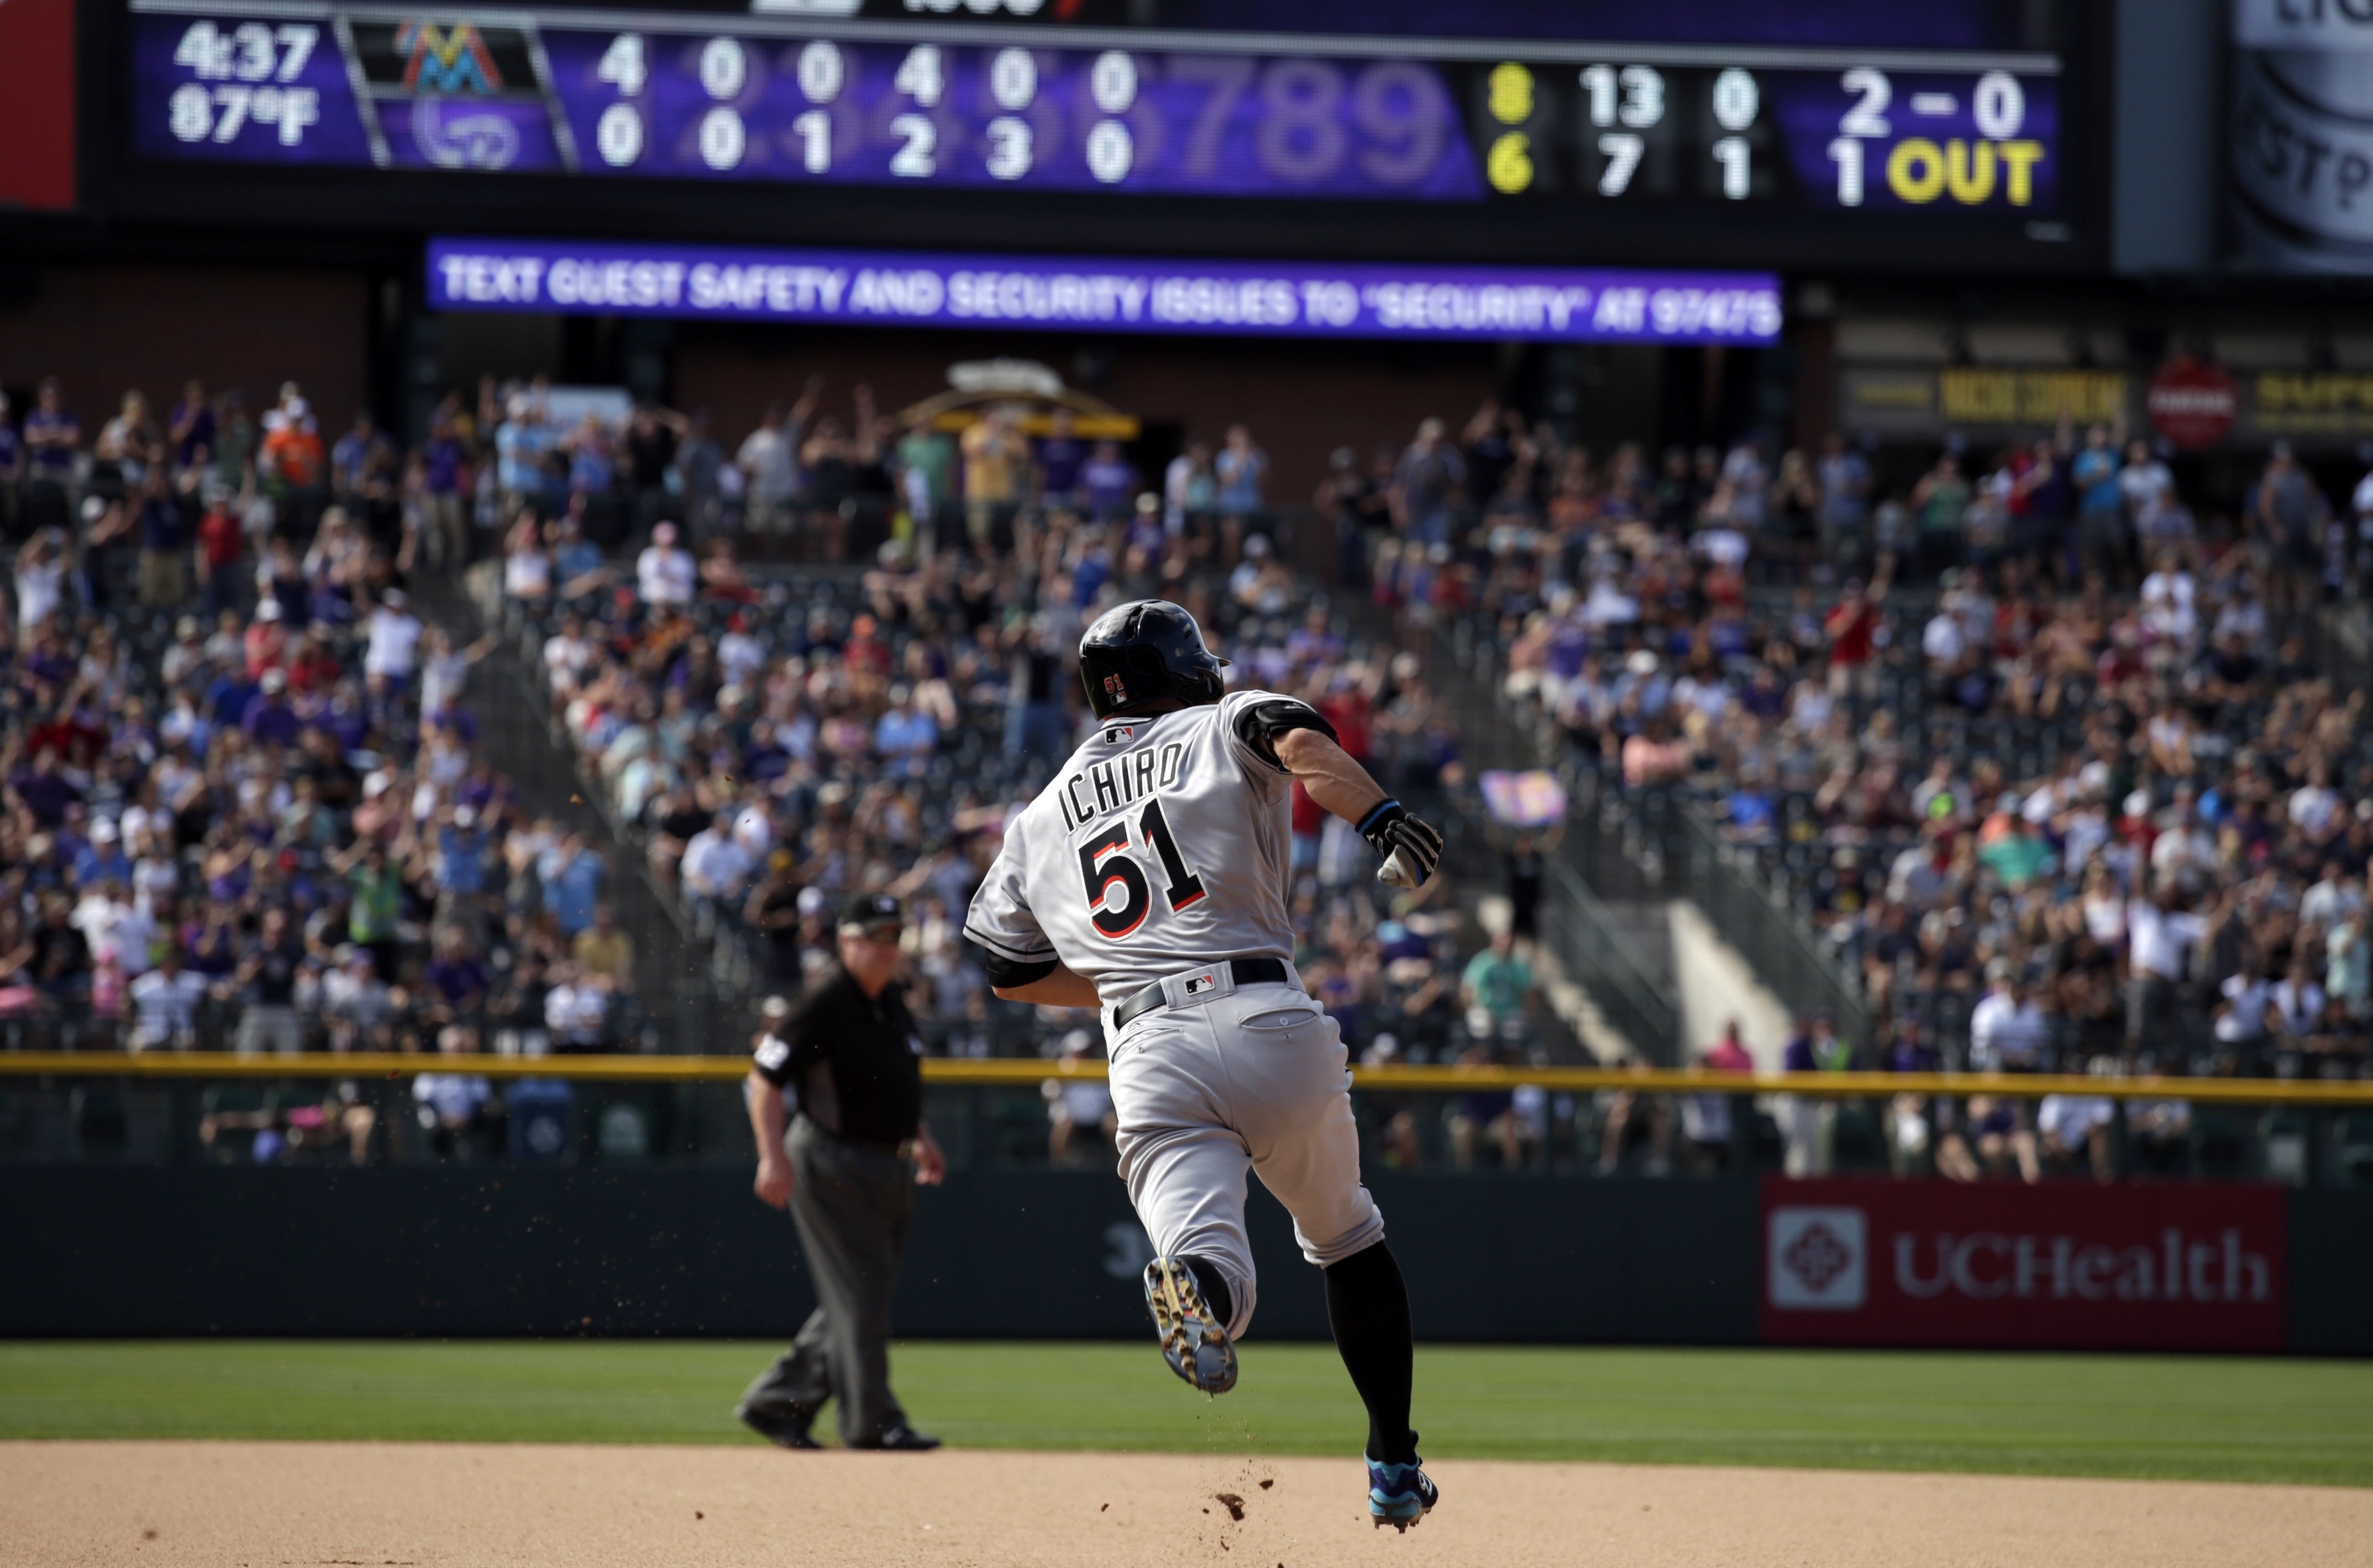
(2260, 1420)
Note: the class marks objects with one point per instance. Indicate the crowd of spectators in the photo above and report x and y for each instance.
(2045, 760)
(245, 804)
(2042, 758)
(248, 805)
(772, 745)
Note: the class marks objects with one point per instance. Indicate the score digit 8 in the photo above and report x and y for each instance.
(1301, 135)
(1509, 163)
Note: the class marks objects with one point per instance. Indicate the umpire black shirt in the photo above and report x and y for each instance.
(869, 1051)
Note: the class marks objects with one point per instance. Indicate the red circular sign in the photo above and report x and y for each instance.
(2193, 404)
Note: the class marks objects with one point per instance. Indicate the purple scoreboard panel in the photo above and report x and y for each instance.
(1912, 112)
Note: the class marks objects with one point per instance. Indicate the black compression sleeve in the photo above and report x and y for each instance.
(1213, 1285)
(1259, 724)
(1367, 1306)
(1006, 973)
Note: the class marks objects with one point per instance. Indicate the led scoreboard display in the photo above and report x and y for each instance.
(937, 96)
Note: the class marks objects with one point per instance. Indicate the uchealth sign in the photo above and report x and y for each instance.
(2194, 1266)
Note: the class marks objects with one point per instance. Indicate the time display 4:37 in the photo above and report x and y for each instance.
(510, 92)
(503, 96)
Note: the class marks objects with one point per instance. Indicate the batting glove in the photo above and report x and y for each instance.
(1411, 849)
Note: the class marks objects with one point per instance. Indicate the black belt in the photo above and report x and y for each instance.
(871, 1146)
(1247, 971)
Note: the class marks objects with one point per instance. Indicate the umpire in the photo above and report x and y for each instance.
(849, 1053)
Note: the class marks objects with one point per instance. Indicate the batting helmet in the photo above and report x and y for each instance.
(1140, 652)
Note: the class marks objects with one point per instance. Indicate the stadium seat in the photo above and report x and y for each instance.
(542, 1127)
(1857, 1140)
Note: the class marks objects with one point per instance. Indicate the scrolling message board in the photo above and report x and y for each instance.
(1104, 294)
(1541, 137)
(2189, 1266)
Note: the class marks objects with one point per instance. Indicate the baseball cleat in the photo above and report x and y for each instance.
(1398, 1495)
(1195, 1347)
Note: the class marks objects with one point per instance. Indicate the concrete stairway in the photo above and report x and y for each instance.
(517, 738)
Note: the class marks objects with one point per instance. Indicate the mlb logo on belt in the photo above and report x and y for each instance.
(1197, 984)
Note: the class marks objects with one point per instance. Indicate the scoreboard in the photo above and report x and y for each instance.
(1544, 140)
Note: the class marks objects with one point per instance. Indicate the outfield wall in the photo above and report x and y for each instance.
(486, 1251)
(688, 1250)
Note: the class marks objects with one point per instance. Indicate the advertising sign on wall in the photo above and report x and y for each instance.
(37, 111)
(1986, 401)
(2031, 398)
(1874, 1262)
(2193, 404)
(2302, 136)
(2317, 408)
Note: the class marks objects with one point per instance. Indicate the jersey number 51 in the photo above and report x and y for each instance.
(1102, 864)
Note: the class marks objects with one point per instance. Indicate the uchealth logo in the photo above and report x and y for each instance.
(1989, 1266)
(2162, 1265)
(1816, 1260)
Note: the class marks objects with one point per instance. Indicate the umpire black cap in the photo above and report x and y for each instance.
(1143, 651)
(869, 915)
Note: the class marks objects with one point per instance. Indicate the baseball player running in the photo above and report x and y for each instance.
(1149, 880)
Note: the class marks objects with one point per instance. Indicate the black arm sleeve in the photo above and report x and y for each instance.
(1259, 724)
(772, 1059)
(1005, 973)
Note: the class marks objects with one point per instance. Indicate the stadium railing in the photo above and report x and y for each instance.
(2315, 1133)
(1637, 997)
(1641, 846)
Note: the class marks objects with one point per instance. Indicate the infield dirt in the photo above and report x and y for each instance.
(440, 1505)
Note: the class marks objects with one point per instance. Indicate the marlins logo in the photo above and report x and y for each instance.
(447, 60)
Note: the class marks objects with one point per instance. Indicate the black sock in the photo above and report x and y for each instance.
(1367, 1305)
(1214, 1288)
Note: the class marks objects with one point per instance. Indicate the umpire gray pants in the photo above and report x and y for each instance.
(852, 1205)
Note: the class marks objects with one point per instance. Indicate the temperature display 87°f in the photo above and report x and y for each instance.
(800, 100)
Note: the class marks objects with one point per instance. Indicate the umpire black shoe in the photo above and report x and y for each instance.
(899, 1438)
(786, 1426)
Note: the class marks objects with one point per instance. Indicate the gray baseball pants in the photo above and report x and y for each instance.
(1253, 1079)
(852, 1205)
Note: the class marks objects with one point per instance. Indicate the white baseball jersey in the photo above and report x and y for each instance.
(1164, 843)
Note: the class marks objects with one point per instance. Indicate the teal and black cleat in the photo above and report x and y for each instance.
(1195, 1347)
(1398, 1495)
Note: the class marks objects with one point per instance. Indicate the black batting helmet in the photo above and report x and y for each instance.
(1137, 653)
